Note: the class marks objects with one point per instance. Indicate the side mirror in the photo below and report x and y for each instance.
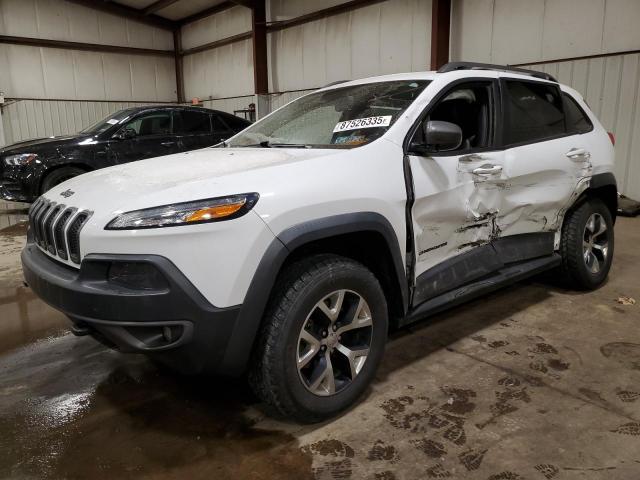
(125, 134)
(439, 136)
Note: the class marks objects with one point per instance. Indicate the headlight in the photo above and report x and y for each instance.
(188, 213)
(20, 159)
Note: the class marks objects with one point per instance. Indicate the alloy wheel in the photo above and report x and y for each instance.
(334, 342)
(595, 243)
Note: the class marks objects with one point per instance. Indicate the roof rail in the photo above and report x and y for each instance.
(453, 66)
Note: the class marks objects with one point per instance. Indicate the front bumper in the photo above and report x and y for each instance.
(13, 193)
(174, 324)
(17, 184)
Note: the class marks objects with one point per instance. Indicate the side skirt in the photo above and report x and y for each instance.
(502, 277)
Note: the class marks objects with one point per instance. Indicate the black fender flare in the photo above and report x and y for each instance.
(252, 310)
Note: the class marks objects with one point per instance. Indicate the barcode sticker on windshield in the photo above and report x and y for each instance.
(112, 121)
(369, 122)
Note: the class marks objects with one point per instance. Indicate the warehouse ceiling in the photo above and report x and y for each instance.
(175, 10)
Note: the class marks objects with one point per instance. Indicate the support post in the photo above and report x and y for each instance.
(177, 49)
(440, 32)
(259, 34)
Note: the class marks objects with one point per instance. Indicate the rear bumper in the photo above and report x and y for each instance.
(173, 323)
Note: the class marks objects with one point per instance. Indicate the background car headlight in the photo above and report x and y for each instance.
(20, 159)
(187, 213)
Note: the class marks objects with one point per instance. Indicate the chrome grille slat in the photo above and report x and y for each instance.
(32, 213)
(56, 228)
(73, 236)
(49, 223)
(38, 222)
(59, 231)
(44, 221)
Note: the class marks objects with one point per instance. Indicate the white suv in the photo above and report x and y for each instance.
(289, 251)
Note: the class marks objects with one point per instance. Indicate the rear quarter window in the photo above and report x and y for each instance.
(577, 120)
(534, 111)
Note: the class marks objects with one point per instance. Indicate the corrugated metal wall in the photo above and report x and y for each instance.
(232, 104)
(222, 72)
(388, 37)
(611, 87)
(32, 72)
(521, 31)
(391, 36)
(25, 119)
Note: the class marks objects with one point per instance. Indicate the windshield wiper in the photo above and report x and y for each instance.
(268, 144)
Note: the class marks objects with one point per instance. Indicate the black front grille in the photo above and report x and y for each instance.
(56, 228)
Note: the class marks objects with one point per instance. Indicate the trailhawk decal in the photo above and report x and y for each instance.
(369, 122)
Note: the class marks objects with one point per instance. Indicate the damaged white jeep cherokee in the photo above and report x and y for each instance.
(289, 251)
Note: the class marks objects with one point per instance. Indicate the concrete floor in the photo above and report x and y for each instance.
(533, 382)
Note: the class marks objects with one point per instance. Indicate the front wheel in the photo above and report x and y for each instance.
(587, 245)
(322, 339)
(58, 176)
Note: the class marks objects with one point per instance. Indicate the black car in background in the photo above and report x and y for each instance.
(29, 168)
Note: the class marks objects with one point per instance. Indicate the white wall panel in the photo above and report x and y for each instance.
(229, 105)
(611, 87)
(392, 36)
(24, 119)
(32, 72)
(222, 72)
(61, 20)
(215, 27)
(520, 31)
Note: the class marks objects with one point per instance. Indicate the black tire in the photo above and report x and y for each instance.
(274, 375)
(58, 176)
(575, 267)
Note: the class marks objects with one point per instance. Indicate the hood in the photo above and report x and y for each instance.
(37, 144)
(198, 174)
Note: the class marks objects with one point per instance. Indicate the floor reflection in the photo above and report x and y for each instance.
(24, 319)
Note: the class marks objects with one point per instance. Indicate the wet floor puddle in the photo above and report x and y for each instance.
(24, 319)
(103, 415)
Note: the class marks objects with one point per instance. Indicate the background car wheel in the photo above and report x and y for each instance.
(58, 176)
(322, 339)
(587, 245)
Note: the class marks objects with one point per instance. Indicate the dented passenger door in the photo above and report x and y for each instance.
(543, 161)
(457, 193)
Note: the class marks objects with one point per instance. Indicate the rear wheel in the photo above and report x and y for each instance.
(587, 244)
(322, 338)
(60, 175)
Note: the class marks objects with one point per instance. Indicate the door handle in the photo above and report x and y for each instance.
(472, 157)
(486, 170)
(167, 144)
(578, 154)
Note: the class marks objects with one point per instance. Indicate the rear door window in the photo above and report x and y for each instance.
(577, 121)
(152, 123)
(533, 112)
(193, 122)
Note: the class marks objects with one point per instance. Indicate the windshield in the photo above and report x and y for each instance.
(340, 118)
(107, 123)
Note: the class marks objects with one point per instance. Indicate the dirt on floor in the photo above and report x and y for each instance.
(532, 382)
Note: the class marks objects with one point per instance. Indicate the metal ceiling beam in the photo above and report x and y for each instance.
(218, 43)
(159, 5)
(128, 12)
(88, 47)
(440, 32)
(221, 7)
(320, 14)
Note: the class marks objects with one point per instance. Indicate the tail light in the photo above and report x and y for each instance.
(612, 137)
